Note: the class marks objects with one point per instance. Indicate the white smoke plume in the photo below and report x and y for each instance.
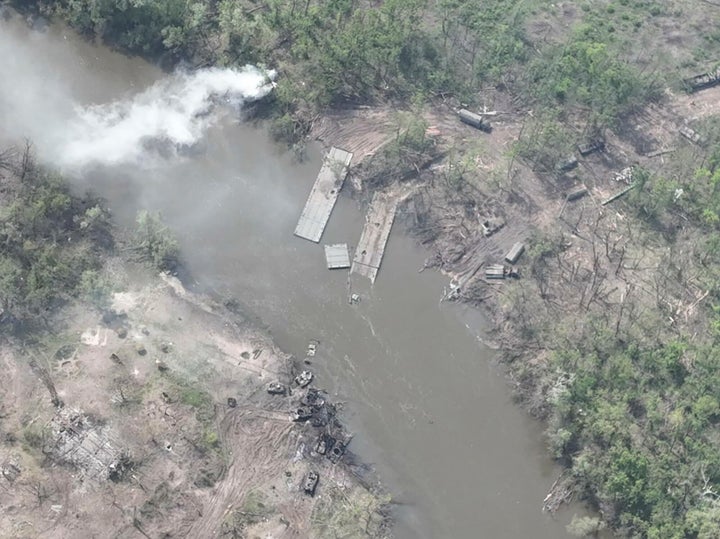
(172, 114)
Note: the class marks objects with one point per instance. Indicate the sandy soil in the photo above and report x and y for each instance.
(147, 444)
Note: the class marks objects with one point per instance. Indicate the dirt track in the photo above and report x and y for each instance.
(152, 382)
(255, 450)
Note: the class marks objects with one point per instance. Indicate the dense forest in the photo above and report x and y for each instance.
(629, 384)
(346, 51)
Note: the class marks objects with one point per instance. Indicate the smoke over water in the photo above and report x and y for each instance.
(171, 115)
(84, 107)
(139, 137)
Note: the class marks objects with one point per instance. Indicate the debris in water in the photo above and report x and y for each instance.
(337, 256)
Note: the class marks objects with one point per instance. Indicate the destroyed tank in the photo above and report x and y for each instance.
(276, 388)
(310, 483)
(304, 378)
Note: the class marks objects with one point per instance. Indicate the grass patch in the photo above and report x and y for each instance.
(256, 508)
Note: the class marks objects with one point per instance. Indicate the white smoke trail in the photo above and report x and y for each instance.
(172, 114)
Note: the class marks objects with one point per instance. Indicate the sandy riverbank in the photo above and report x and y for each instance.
(147, 442)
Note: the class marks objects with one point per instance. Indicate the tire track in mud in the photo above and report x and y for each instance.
(362, 132)
(256, 450)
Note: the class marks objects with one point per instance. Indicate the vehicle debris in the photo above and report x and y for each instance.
(337, 452)
(310, 483)
(474, 120)
(276, 388)
(324, 444)
(499, 272)
(690, 134)
(312, 398)
(515, 253)
(10, 472)
(490, 226)
(302, 413)
(592, 146)
(304, 378)
(576, 194)
(702, 81)
(567, 164)
(625, 175)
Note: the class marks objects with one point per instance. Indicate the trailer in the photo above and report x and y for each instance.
(475, 120)
(514, 254)
(576, 194)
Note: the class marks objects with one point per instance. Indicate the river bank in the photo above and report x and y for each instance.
(593, 294)
(609, 317)
(427, 447)
(166, 405)
(167, 423)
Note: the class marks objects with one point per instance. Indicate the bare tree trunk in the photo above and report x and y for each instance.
(43, 374)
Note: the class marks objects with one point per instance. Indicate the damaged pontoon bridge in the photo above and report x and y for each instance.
(323, 195)
(370, 250)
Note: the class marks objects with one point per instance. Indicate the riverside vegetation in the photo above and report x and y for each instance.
(86, 318)
(54, 243)
(628, 382)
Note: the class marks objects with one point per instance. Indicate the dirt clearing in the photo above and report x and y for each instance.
(166, 430)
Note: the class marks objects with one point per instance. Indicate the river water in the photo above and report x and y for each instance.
(428, 405)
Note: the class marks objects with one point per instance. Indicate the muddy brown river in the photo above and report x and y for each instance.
(429, 407)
